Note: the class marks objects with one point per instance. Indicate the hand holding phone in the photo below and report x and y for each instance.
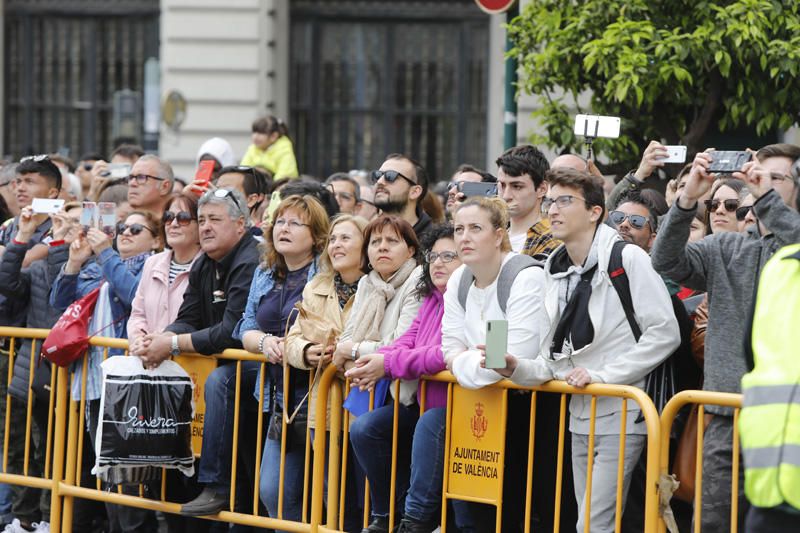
(202, 178)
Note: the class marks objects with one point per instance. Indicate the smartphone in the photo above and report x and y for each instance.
(107, 216)
(597, 126)
(88, 216)
(119, 170)
(46, 205)
(471, 188)
(205, 171)
(677, 154)
(728, 162)
(496, 343)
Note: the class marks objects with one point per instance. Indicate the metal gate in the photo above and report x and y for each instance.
(63, 62)
(368, 78)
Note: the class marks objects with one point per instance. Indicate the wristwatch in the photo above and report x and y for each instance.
(354, 351)
(175, 351)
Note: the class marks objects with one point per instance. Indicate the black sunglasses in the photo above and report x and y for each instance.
(184, 218)
(741, 212)
(389, 175)
(618, 217)
(135, 229)
(730, 205)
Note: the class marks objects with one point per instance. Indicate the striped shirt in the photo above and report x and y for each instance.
(175, 269)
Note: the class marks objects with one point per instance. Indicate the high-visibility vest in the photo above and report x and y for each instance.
(769, 423)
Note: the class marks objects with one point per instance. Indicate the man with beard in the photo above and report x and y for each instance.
(400, 185)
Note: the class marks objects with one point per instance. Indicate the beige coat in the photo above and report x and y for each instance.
(319, 297)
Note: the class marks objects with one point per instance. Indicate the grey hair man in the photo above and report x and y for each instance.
(150, 184)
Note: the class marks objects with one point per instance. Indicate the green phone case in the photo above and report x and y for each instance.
(496, 343)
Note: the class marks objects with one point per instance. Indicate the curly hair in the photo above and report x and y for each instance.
(425, 284)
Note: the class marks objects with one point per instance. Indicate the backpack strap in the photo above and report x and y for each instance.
(467, 277)
(508, 273)
(621, 283)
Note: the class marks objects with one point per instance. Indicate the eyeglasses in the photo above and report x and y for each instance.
(346, 196)
(35, 158)
(389, 175)
(293, 224)
(225, 193)
(141, 179)
(636, 221)
(135, 229)
(561, 201)
(184, 218)
(446, 257)
(741, 212)
(730, 205)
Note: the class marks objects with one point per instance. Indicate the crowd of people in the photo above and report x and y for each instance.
(395, 278)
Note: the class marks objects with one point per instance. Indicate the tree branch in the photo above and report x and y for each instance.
(699, 127)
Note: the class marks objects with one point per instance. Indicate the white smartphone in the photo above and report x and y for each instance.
(597, 126)
(46, 205)
(677, 154)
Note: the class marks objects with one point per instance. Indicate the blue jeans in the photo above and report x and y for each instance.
(269, 487)
(371, 437)
(220, 395)
(424, 499)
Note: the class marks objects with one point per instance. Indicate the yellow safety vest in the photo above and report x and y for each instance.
(769, 423)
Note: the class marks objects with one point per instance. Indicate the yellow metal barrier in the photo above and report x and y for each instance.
(626, 393)
(62, 472)
(67, 420)
(702, 398)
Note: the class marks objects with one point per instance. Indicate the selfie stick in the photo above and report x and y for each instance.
(588, 139)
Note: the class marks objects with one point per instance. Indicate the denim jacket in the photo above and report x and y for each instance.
(123, 278)
(263, 281)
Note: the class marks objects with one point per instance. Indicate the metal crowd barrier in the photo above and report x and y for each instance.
(668, 415)
(66, 432)
(333, 521)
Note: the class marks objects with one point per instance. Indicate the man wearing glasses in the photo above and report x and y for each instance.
(400, 185)
(727, 266)
(150, 184)
(346, 191)
(219, 284)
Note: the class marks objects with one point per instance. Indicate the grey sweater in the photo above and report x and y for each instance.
(726, 266)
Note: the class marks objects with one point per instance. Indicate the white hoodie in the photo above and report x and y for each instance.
(613, 356)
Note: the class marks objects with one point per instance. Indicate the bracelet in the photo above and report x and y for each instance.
(261, 342)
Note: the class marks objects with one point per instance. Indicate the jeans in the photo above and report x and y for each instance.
(269, 484)
(424, 499)
(717, 473)
(604, 476)
(371, 436)
(220, 395)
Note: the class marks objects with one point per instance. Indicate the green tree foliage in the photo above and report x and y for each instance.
(669, 68)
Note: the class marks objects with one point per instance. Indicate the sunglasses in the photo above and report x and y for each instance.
(730, 205)
(741, 212)
(225, 193)
(184, 218)
(446, 257)
(389, 175)
(636, 221)
(135, 229)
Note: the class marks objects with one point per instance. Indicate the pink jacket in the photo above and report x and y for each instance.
(156, 303)
(418, 351)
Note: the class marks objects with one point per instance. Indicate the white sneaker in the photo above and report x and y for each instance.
(42, 527)
(15, 527)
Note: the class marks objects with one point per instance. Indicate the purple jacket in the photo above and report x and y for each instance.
(419, 350)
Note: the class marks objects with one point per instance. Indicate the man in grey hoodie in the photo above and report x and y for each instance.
(727, 266)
